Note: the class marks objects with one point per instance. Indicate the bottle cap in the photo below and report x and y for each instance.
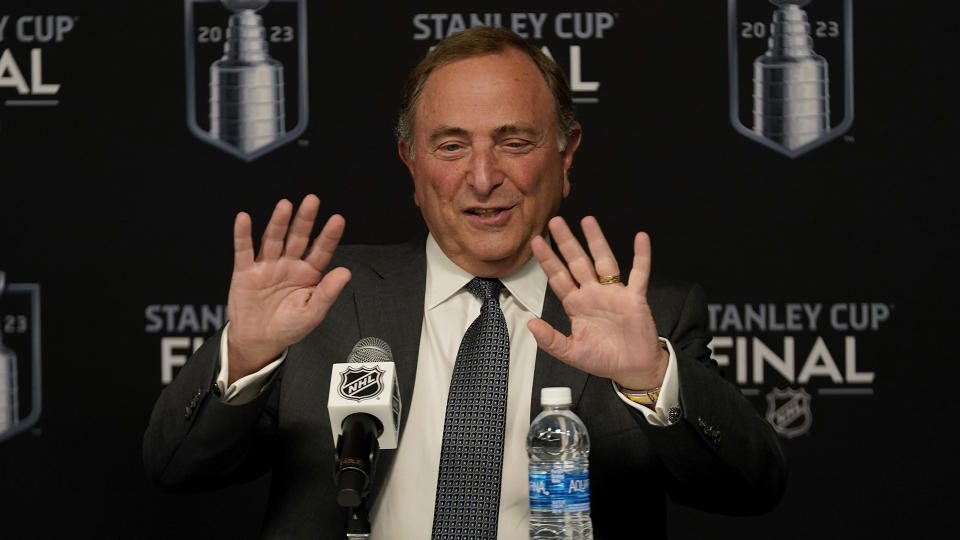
(559, 395)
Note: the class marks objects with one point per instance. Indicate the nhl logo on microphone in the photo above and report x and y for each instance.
(361, 383)
(368, 388)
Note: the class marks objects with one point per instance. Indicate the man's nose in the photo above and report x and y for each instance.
(484, 173)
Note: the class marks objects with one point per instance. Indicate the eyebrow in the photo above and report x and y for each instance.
(447, 131)
(516, 129)
(500, 132)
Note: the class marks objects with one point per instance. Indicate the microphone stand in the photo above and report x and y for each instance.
(357, 451)
(358, 522)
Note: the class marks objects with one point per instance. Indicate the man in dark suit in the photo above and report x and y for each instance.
(488, 136)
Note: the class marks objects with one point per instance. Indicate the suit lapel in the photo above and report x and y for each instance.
(392, 309)
(549, 371)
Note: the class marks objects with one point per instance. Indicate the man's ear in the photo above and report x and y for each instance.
(403, 149)
(573, 142)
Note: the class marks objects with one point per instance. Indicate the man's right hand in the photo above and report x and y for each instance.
(276, 299)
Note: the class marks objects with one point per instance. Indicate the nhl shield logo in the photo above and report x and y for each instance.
(788, 411)
(246, 78)
(361, 383)
(19, 357)
(791, 71)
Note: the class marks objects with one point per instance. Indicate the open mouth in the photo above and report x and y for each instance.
(485, 212)
(490, 212)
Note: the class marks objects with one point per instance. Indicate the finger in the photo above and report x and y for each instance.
(604, 262)
(579, 263)
(640, 272)
(327, 291)
(302, 226)
(560, 280)
(242, 242)
(272, 244)
(326, 242)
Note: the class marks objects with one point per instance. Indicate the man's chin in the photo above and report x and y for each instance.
(502, 262)
(498, 252)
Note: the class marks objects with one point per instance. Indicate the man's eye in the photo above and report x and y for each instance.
(517, 145)
(451, 147)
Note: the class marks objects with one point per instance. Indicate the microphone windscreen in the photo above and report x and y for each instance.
(371, 349)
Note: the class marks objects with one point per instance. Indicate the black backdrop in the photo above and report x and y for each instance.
(117, 218)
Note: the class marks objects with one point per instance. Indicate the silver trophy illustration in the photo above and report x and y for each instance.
(791, 94)
(9, 401)
(246, 85)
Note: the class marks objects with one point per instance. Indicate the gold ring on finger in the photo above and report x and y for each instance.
(609, 279)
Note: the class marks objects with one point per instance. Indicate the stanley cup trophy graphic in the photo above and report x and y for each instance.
(246, 85)
(790, 87)
(9, 401)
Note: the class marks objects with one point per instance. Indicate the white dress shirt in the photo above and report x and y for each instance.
(404, 509)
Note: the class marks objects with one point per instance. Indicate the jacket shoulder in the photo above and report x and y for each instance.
(369, 260)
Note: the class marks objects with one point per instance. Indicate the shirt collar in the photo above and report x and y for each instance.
(528, 285)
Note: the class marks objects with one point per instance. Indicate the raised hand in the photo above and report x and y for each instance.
(277, 298)
(612, 332)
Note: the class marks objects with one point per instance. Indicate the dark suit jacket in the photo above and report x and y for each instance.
(720, 456)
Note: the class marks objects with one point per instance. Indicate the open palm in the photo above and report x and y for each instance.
(279, 296)
(612, 332)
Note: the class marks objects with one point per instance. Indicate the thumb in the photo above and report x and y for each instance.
(327, 291)
(549, 339)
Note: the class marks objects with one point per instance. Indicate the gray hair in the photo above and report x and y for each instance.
(478, 42)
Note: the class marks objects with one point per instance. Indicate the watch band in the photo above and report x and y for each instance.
(643, 397)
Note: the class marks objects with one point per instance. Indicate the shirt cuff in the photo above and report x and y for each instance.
(246, 388)
(669, 393)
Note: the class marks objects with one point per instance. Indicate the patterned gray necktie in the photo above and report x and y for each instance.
(468, 488)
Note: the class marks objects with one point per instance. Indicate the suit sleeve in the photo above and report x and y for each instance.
(196, 442)
(721, 456)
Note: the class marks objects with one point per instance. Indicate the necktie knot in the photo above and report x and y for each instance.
(485, 288)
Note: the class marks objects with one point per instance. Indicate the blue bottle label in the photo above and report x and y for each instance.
(557, 491)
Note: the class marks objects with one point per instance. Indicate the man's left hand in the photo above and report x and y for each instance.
(612, 332)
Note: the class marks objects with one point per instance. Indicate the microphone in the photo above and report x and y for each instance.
(364, 407)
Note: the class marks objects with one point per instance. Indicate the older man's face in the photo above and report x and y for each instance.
(487, 170)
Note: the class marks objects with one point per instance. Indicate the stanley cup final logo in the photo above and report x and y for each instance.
(246, 73)
(19, 356)
(791, 71)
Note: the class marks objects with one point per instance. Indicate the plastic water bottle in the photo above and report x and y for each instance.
(558, 447)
